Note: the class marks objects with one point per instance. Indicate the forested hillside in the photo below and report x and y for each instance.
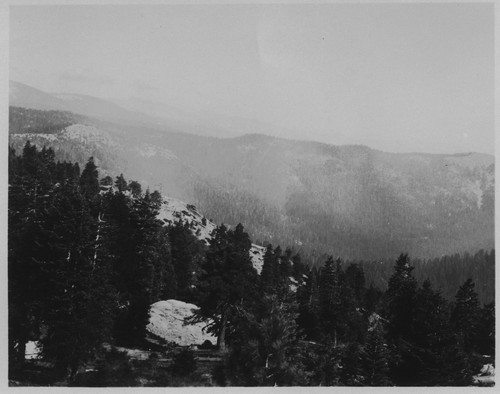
(348, 201)
(23, 120)
(88, 255)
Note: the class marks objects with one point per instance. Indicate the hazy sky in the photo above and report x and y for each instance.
(396, 77)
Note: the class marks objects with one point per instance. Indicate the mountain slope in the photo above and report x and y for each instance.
(21, 95)
(173, 210)
(349, 201)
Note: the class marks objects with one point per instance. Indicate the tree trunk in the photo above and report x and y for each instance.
(221, 340)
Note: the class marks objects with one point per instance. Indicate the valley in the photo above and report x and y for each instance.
(349, 201)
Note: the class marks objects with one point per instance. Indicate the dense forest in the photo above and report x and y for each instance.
(88, 256)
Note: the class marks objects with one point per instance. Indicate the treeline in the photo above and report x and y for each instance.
(446, 273)
(87, 257)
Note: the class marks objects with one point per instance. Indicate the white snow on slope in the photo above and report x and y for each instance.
(174, 210)
(167, 321)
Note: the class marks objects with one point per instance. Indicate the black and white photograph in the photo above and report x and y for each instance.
(250, 194)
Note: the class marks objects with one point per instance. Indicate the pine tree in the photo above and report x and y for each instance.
(400, 300)
(106, 181)
(228, 281)
(142, 263)
(135, 188)
(335, 301)
(269, 276)
(465, 315)
(432, 336)
(121, 183)
(355, 279)
(352, 368)
(486, 330)
(309, 306)
(265, 347)
(187, 255)
(375, 357)
(89, 180)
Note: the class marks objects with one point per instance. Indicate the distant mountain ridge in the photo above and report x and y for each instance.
(134, 111)
(349, 201)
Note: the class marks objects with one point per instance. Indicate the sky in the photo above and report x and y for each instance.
(396, 77)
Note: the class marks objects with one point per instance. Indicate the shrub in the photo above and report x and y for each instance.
(114, 370)
(184, 363)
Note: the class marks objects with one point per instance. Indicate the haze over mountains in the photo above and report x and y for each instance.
(135, 111)
(350, 201)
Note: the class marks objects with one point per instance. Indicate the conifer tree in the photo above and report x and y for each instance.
(186, 251)
(355, 279)
(121, 183)
(265, 346)
(143, 261)
(89, 180)
(432, 336)
(399, 310)
(309, 307)
(335, 301)
(270, 271)
(486, 330)
(228, 281)
(465, 315)
(106, 181)
(400, 300)
(375, 357)
(135, 188)
(352, 368)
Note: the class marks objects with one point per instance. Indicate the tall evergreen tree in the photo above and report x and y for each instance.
(465, 315)
(265, 347)
(486, 330)
(121, 183)
(269, 276)
(400, 299)
(135, 188)
(375, 358)
(89, 180)
(309, 306)
(228, 281)
(187, 255)
(335, 301)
